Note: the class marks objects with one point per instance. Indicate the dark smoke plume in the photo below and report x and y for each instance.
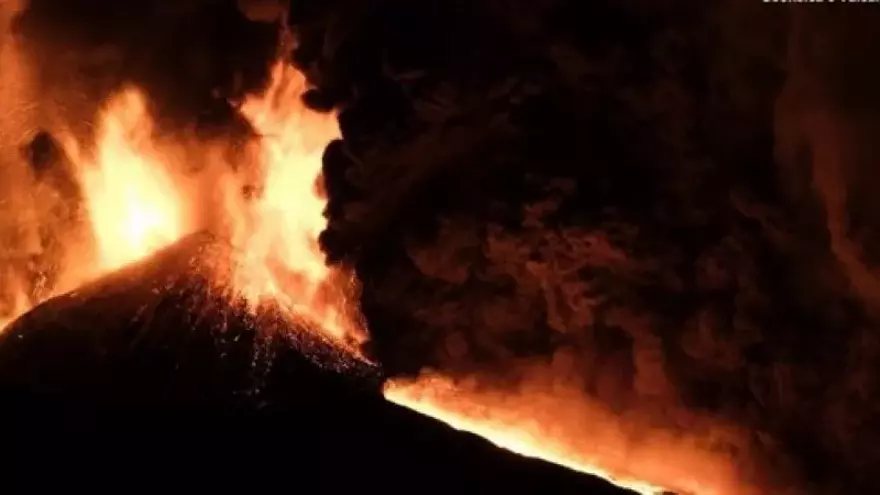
(667, 204)
(670, 202)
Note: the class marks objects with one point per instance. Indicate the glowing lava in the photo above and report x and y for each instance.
(550, 422)
(276, 232)
(439, 399)
(133, 202)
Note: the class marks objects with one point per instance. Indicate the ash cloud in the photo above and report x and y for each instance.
(189, 56)
(671, 200)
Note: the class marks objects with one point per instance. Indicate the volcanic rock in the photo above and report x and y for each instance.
(154, 373)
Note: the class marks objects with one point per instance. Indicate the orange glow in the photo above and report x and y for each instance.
(16, 207)
(133, 202)
(276, 232)
(547, 423)
(137, 205)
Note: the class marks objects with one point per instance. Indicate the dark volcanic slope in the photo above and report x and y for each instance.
(149, 375)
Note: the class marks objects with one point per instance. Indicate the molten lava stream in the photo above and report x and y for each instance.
(549, 420)
(515, 431)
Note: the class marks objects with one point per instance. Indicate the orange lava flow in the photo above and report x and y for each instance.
(549, 424)
(439, 399)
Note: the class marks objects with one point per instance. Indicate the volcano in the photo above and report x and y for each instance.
(155, 373)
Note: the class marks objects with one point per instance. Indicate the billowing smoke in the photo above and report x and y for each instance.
(654, 219)
(645, 224)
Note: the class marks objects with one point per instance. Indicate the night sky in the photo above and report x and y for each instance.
(676, 198)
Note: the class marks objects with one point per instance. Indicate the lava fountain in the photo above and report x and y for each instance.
(138, 202)
(133, 203)
(275, 230)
